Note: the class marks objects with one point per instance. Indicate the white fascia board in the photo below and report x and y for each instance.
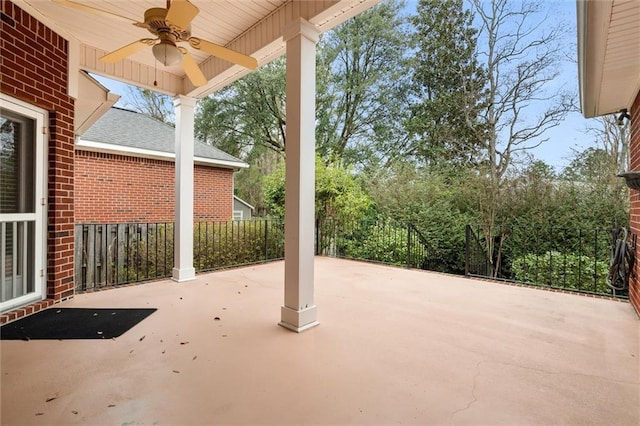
(108, 148)
(243, 202)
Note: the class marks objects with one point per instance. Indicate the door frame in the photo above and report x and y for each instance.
(40, 117)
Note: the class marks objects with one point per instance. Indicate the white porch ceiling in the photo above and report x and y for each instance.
(608, 55)
(252, 27)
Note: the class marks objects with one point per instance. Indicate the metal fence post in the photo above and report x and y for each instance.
(266, 240)
(467, 254)
(408, 245)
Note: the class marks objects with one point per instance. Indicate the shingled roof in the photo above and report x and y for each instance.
(131, 133)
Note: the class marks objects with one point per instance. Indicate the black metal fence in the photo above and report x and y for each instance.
(559, 258)
(114, 254)
(379, 241)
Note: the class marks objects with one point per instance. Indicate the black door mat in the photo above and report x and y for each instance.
(74, 323)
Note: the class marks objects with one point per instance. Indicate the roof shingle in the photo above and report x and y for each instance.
(127, 128)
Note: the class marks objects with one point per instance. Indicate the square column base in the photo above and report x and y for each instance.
(299, 321)
(184, 274)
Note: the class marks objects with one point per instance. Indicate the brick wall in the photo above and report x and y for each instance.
(634, 149)
(113, 188)
(33, 69)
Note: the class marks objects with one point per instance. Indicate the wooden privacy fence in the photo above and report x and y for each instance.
(118, 253)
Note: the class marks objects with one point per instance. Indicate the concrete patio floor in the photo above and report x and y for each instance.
(394, 346)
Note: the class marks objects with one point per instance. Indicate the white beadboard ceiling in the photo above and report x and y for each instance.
(608, 55)
(252, 27)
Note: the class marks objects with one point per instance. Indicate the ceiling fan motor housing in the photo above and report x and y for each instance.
(156, 23)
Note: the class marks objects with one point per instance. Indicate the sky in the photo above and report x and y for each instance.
(564, 140)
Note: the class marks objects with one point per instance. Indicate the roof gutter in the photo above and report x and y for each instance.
(107, 148)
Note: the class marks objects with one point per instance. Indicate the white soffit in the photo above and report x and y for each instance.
(92, 102)
(608, 55)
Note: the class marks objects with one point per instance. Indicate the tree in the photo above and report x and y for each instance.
(447, 80)
(150, 103)
(246, 114)
(521, 51)
(430, 199)
(363, 82)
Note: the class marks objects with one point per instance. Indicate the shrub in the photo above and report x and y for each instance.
(562, 270)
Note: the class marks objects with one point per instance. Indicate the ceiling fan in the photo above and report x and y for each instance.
(170, 25)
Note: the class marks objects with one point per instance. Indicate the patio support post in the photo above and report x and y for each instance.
(299, 312)
(183, 269)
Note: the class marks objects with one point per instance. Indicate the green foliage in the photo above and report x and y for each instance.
(379, 242)
(562, 270)
(431, 200)
(447, 83)
(362, 87)
(338, 193)
(246, 114)
(225, 244)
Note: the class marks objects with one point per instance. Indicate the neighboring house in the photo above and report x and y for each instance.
(241, 209)
(609, 72)
(124, 172)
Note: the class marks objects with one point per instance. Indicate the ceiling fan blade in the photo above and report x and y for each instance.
(96, 11)
(127, 50)
(223, 53)
(181, 13)
(192, 70)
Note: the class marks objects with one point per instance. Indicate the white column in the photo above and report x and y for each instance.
(183, 269)
(299, 312)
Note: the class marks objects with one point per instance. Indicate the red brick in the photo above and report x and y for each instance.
(634, 147)
(105, 192)
(34, 70)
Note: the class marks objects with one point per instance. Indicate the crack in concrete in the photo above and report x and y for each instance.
(555, 373)
(473, 393)
(524, 367)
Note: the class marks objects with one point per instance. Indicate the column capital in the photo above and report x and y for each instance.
(301, 27)
(187, 101)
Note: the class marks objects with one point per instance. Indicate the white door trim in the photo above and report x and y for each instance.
(40, 117)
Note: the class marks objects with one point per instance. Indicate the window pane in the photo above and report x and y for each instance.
(17, 149)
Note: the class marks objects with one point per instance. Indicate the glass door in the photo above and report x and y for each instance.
(22, 242)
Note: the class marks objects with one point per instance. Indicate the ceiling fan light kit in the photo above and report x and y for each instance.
(171, 26)
(167, 52)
